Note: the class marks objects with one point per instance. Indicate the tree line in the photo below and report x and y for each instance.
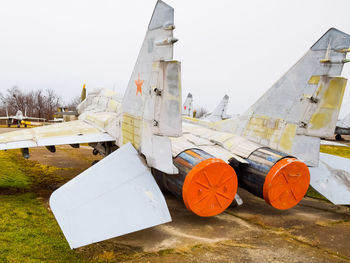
(39, 103)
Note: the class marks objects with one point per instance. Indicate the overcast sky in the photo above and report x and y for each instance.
(239, 48)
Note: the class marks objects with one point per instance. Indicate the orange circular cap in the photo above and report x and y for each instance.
(210, 187)
(286, 183)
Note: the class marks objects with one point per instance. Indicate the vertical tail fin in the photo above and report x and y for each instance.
(304, 104)
(152, 102)
(187, 109)
(157, 46)
(219, 112)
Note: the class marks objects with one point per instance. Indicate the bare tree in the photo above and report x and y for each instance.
(41, 104)
(52, 102)
(72, 105)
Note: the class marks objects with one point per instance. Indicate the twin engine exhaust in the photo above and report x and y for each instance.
(208, 185)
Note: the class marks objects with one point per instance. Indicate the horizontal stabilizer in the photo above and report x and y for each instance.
(116, 196)
(332, 178)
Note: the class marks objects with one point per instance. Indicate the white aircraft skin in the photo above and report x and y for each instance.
(144, 130)
(19, 118)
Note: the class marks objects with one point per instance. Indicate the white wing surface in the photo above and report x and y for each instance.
(116, 196)
(332, 178)
(72, 132)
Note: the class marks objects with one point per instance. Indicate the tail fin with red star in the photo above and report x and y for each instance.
(151, 107)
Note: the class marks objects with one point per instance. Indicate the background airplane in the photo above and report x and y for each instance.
(19, 119)
(219, 113)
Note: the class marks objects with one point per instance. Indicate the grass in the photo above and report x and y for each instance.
(29, 233)
(311, 192)
(11, 177)
(21, 175)
(28, 230)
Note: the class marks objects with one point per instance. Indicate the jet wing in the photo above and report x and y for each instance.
(332, 178)
(73, 132)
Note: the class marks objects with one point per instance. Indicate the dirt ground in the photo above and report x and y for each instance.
(313, 231)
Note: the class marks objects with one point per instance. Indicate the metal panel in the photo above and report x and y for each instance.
(324, 113)
(116, 196)
(167, 112)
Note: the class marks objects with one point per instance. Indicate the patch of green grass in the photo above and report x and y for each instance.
(29, 233)
(21, 175)
(10, 176)
(314, 194)
(41, 176)
(341, 151)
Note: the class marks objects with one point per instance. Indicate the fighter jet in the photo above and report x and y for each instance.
(343, 127)
(219, 113)
(19, 119)
(143, 137)
(291, 117)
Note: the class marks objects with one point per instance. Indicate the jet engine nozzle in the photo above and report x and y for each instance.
(206, 185)
(286, 183)
(281, 180)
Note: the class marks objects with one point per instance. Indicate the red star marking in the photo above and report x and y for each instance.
(185, 107)
(139, 83)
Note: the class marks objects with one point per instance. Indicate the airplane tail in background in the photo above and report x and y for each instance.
(187, 109)
(219, 112)
(304, 104)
